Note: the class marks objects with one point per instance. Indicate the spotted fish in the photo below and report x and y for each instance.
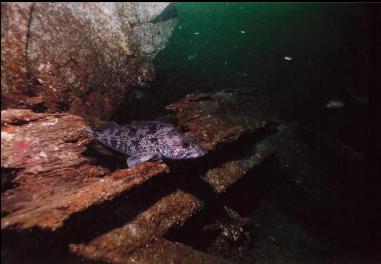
(147, 140)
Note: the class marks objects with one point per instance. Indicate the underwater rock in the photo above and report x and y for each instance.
(164, 251)
(14, 31)
(299, 162)
(127, 243)
(222, 177)
(151, 24)
(52, 177)
(230, 126)
(222, 117)
(233, 235)
(80, 57)
(39, 143)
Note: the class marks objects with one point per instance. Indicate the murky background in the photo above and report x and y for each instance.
(300, 56)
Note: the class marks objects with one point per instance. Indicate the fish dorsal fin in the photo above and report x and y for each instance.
(150, 123)
(156, 125)
(110, 125)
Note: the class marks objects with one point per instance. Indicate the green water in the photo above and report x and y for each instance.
(231, 45)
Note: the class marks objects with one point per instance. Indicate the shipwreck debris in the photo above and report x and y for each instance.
(120, 244)
(230, 126)
(54, 179)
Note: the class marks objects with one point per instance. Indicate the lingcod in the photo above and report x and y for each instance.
(147, 140)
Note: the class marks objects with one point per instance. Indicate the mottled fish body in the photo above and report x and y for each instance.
(147, 140)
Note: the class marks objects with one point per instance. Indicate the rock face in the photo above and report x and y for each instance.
(79, 57)
(14, 31)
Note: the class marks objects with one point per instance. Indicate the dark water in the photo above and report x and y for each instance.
(238, 44)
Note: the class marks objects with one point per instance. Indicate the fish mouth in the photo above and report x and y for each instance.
(192, 156)
(196, 155)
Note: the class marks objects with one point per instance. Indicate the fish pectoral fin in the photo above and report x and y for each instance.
(143, 157)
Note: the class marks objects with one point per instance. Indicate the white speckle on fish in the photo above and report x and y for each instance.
(196, 33)
(243, 31)
(288, 58)
(335, 104)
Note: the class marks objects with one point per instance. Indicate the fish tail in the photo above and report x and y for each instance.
(88, 131)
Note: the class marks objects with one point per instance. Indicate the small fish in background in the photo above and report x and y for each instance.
(139, 94)
(192, 56)
(360, 99)
(288, 58)
(147, 140)
(242, 74)
(335, 104)
(336, 146)
(243, 32)
(196, 33)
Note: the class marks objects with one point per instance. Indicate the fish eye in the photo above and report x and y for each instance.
(185, 144)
